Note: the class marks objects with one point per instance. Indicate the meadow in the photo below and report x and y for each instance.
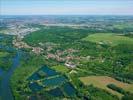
(103, 81)
(60, 68)
(108, 38)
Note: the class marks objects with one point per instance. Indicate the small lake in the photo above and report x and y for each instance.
(35, 87)
(51, 80)
(56, 92)
(54, 81)
(69, 89)
(49, 72)
(1, 37)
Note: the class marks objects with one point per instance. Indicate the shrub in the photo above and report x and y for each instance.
(115, 88)
(127, 97)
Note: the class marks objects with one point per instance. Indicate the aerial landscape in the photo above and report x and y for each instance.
(66, 56)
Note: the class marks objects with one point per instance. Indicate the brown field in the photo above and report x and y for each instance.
(103, 81)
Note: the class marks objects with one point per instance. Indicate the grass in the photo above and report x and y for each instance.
(3, 54)
(108, 38)
(103, 81)
(61, 68)
(123, 26)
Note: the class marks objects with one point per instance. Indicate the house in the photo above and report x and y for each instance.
(37, 50)
(70, 65)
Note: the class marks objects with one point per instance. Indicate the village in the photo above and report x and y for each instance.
(67, 56)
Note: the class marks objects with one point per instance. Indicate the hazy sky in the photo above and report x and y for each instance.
(61, 7)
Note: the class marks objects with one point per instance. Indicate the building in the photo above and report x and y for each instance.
(70, 65)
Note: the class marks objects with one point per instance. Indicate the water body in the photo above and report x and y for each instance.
(69, 89)
(7, 48)
(56, 92)
(49, 72)
(1, 37)
(54, 81)
(35, 87)
(5, 89)
(1, 72)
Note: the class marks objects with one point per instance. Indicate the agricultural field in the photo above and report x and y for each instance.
(109, 38)
(123, 26)
(103, 81)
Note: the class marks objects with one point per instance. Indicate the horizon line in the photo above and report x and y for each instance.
(66, 14)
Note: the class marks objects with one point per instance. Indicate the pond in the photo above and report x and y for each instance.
(56, 92)
(54, 81)
(50, 80)
(34, 76)
(69, 89)
(46, 70)
(35, 87)
(1, 37)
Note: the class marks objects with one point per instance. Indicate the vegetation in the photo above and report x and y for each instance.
(61, 35)
(127, 97)
(103, 83)
(27, 67)
(97, 54)
(6, 52)
(108, 38)
(95, 60)
(115, 88)
(99, 94)
(61, 68)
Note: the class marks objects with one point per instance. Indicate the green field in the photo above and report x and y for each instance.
(123, 26)
(103, 81)
(108, 38)
(61, 68)
(3, 54)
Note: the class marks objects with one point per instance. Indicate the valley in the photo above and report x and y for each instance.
(91, 60)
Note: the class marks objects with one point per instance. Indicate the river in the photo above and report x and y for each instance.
(5, 89)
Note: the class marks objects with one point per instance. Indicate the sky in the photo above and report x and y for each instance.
(66, 7)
